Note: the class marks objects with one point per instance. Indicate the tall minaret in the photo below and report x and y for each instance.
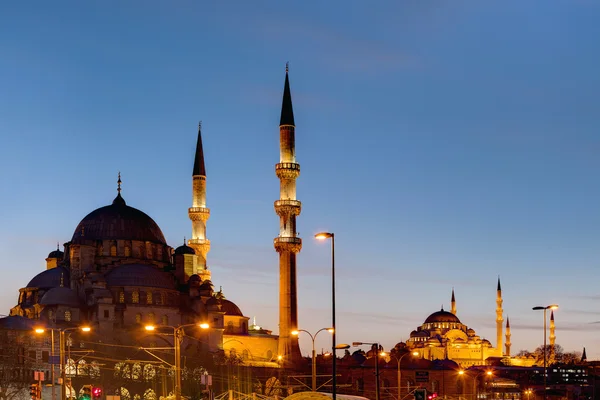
(287, 244)
(507, 337)
(552, 331)
(453, 303)
(499, 318)
(198, 212)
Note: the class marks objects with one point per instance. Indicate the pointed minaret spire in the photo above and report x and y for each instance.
(507, 345)
(119, 183)
(583, 356)
(287, 112)
(499, 318)
(199, 213)
(287, 244)
(453, 303)
(119, 201)
(199, 168)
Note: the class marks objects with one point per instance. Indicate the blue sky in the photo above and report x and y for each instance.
(445, 143)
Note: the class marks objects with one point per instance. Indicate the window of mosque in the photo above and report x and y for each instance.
(160, 298)
(149, 372)
(359, 384)
(94, 370)
(113, 249)
(138, 318)
(135, 297)
(269, 355)
(82, 369)
(151, 318)
(121, 297)
(165, 320)
(149, 394)
(124, 393)
(67, 315)
(149, 297)
(136, 372)
(51, 315)
(127, 251)
(245, 354)
(229, 328)
(106, 314)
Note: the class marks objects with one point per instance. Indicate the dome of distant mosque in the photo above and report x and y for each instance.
(50, 278)
(442, 316)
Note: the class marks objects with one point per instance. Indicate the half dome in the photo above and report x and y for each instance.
(230, 308)
(61, 296)
(118, 221)
(50, 278)
(140, 275)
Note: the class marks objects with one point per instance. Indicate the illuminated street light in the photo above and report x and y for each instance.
(399, 359)
(325, 236)
(314, 354)
(550, 307)
(377, 353)
(178, 333)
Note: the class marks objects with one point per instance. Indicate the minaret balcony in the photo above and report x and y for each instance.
(199, 213)
(288, 207)
(287, 244)
(287, 170)
(201, 246)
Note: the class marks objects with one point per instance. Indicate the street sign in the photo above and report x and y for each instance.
(38, 376)
(421, 376)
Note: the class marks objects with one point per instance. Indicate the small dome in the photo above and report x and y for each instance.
(230, 308)
(50, 278)
(442, 316)
(194, 280)
(207, 284)
(184, 249)
(140, 275)
(118, 221)
(56, 254)
(61, 296)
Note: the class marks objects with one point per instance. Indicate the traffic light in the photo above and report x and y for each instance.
(96, 392)
(420, 394)
(432, 396)
(34, 391)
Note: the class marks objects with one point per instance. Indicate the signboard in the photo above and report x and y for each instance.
(421, 376)
(38, 376)
(206, 380)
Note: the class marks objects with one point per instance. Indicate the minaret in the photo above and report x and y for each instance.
(453, 303)
(552, 331)
(198, 212)
(287, 244)
(583, 356)
(507, 337)
(499, 318)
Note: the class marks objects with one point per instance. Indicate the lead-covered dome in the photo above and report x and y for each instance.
(230, 308)
(140, 275)
(442, 316)
(118, 221)
(61, 296)
(50, 278)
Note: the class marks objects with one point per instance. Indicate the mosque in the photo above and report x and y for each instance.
(118, 273)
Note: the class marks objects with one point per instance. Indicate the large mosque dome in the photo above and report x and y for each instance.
(118, 221)
(140, 275)
(442, 316)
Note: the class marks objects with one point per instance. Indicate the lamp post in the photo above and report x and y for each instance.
(314, 354)
(399, 360)
(323, 236)
(61, 352)
(378, 347)
(475, 393)
(178, 333)
(550, 307)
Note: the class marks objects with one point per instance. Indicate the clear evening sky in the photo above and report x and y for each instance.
(443, 142)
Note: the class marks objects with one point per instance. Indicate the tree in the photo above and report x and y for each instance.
(555, 355)
(15, 368)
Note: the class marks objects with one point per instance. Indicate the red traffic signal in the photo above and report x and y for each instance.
(96, 392)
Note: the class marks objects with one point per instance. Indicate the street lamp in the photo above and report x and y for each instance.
(178, 333)
(399, 359)
(550, 307)
(324, 236)
(61, 351)
(377, 350)
(474, 377)
(314, 354)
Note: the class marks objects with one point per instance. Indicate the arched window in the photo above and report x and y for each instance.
(136, 372)
(245, 354)
(135, 297)
(165, 320)
(124, 393)
(121, 297)
(149, 372)
(67, 315)
(149, 394)
(269, 355)
(149, 297)
(229, 328)
(127, 250)
(151, 318)
(138, 318)
(113, 249)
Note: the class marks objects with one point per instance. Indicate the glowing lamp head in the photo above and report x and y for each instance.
(461, 372)
(85, 329)
(330, 330)
(280, 357)
(149, 327)
(204, 325)
(415, 353)
(489, 373)
(323, 235)
(40, 330)
(295, 333)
